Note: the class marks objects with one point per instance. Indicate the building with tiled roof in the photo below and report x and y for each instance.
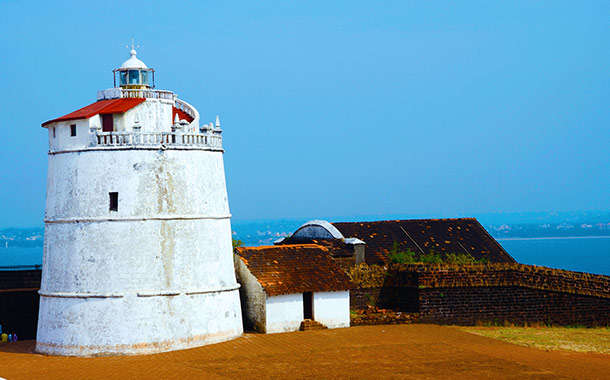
(281, 286)
(376, 240)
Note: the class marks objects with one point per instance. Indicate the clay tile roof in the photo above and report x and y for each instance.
(107, 106)
(439, 235)
(290, 269)
(335, 247)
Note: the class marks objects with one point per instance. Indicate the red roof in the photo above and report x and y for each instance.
(294, 268)
(181, 115)
(102, 107)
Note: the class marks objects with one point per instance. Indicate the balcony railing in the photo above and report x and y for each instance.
(161, 139)
(184, 106)
(148, 94)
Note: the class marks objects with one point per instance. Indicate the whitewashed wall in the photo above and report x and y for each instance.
(155, 275)
(332, 308)
(153, 115)
(284, 313)
(63, 138)
(253, 298)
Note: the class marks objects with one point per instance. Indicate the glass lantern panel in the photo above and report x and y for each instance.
(134, 76)
(122, 78)
(144, 77)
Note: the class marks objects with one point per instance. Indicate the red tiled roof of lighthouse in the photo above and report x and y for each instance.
(294, 268)
(101, 107)
(457, 236)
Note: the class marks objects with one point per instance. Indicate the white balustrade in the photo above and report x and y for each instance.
(181, 105)
(168, 139)
(146, 93)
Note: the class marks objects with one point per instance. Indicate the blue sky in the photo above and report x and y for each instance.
(337, 108)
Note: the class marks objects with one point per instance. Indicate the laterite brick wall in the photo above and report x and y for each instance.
(467, 294)
(467, 306)
(19, 301)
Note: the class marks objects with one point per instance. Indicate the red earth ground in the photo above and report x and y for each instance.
(366, 352)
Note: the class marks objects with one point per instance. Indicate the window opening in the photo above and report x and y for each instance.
(53, 132)
(73, 130)
(114, 201)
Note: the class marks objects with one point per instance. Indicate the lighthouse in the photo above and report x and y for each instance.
(137, 247)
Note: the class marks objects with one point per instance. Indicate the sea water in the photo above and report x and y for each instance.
(580, 254)
(12, 256)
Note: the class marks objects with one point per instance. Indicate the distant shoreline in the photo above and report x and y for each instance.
(555, 238)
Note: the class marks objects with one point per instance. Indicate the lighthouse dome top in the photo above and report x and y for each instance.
(133, 62)
(133, 73)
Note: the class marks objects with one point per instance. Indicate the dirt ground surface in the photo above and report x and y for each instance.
(366, 352)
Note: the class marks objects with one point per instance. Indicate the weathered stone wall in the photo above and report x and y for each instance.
(360, 298)
(20, 279)
(19, 313)
(376, 316)
(19, 302)
(519, 305)
(154, 275)
(467, 294)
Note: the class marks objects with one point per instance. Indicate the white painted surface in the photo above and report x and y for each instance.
(149, 182)
(110, 93)
(284, 313)
(317, 229)
(63, 138)
(354, 241)
(332, 308)
(148, 123)
(253, 298)
(157, 274)
(133, 62)
(154, 115)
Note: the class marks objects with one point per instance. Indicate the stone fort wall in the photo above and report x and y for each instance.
(467, 294)
(19, 301)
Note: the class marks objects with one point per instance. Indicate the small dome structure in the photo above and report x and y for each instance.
(133, 62)
(133, 73)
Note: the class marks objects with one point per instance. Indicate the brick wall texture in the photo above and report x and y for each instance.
(467, 294)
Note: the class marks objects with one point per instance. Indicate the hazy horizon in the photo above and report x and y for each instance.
(344, 108)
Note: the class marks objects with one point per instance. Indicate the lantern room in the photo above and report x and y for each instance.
(133, 73)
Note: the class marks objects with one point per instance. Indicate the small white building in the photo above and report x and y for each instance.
(283, 286)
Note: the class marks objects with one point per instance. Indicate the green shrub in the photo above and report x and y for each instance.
(237, 243)
(463, 258)
(401, 257)
(431, 258)
(397, 256)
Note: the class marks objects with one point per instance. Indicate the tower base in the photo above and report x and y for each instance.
(136, 324)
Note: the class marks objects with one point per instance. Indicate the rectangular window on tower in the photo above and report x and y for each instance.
(114, 201)
(53, 132)
(73, 130)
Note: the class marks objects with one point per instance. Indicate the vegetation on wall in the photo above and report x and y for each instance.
(465, 274)
(409, 257)
(367, 276)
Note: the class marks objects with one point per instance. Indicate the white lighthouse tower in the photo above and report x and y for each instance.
(137, 249)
